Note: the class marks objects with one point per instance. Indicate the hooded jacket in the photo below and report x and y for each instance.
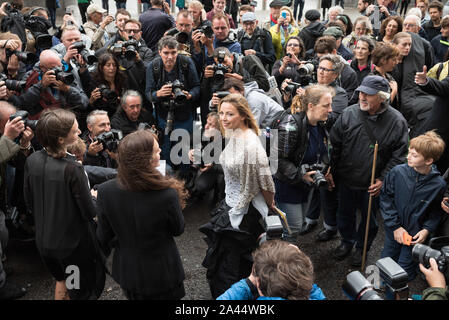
(310, 33)
(263, 108)
(412, 200)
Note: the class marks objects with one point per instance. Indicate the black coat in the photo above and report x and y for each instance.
(143, 224)
(310, 33)
(352, 148)
(57, 192)
(121, 122)
(439, 116)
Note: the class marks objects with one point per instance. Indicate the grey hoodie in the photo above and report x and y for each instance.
(263, 107)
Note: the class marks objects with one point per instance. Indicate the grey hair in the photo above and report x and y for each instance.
(91, 116)
(336, 8)
(414, 17)
(167, 41)
(129, 93)
(335, 60)
(415, 12)
(385, 96)
(366, 23)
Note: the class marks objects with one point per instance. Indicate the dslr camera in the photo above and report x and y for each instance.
(220, 69)
(108, 94)
(357, 287)
(110, 139)
(423, 253)
(292, 87)
(220, 95)
(318, 178)
(66, 77)
(22, 114)
(176, 87)
(207, 30)
(13, 85)
(25, 57)
(131, 47)
(39, 28)
(81, 48)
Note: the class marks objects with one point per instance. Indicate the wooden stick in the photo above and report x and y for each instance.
(373, 173)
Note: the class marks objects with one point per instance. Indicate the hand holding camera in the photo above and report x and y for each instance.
(13, 128)
(72, 51)
(95, 148)
(165, 91)
(445, 204)
(434, 277)
(95, 95)
(4, 92)
(25, 141)
(48, 79)
(106, 20)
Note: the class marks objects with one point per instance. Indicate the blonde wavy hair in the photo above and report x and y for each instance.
(312, 94)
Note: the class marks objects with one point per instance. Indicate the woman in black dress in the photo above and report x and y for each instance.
(141, 212)
(57, 191)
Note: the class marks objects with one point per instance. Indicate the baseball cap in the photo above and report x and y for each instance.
(249, 16)
(335, 32)
(95, 8)
(373, 84)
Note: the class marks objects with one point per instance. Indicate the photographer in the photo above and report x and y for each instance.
(121, 16)
(223, 37)
(229, 65)
(97, 123)
(12, 19)
(106, 85)
(310, 140)
(10, 130)
(436, 281)
(196, 10)
(280, 271)
(12, 58)
(48, 86)
(155, 22)
(287, 67)
(95, 27)
(328, 72)
(130, 113)
(256, 41)
(379, 12)
(173, 87)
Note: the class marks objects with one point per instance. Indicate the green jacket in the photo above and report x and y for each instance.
(435, 294)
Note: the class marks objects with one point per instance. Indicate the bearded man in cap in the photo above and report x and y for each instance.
(353, 138)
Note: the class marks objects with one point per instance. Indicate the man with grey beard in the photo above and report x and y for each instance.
(353, 138)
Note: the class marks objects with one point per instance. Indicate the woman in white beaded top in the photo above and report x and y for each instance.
(233, 231)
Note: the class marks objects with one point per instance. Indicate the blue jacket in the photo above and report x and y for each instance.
(411, 200)
(241, 291)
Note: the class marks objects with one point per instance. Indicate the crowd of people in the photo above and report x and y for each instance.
(106, 136)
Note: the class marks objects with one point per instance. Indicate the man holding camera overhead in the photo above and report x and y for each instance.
(173, 86)
(48, 86)
(95, 27)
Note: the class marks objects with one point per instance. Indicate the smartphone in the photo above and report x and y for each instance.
(284, 15)
(68, 11)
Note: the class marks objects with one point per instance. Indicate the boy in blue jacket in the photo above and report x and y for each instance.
(410, 200)
(280, 271)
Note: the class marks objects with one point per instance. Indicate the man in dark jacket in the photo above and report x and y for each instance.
(131, 114)
(256, 41)
(313, 30)
(155, 22)
(353, 137)
(97, 123)
(433, 26)
(338, 34)
(440, 43)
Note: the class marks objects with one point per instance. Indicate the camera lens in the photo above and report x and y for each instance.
(423, 253)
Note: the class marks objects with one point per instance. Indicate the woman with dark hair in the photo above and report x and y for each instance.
(384, 58)
(347, 22)
(57, 191)
(292, 55)
(361, 63)
(106, 85)
(388, 29)
(234, 230)
(139, 213)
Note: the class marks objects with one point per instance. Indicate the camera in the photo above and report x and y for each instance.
(116, 49)
(39, 28)
(68, 11)
(25, 57)
(22, 114)
(274, 229)
(292, 87)
(318, 178)
(220, 95)
(13, 85)
(207, 30)
(81, 48)
(306, 69)
(423, 253)
(220, 69)
(357, 287)
(66, 77)
(182, 37)
(130, 48)
(176, 87)
(110, 95)
(110, 139)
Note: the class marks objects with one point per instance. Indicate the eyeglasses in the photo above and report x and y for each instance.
(132, 31)
(326, 69)
(293, 45)
(409, 25)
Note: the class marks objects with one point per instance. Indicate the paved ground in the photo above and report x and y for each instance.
(30, 273)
